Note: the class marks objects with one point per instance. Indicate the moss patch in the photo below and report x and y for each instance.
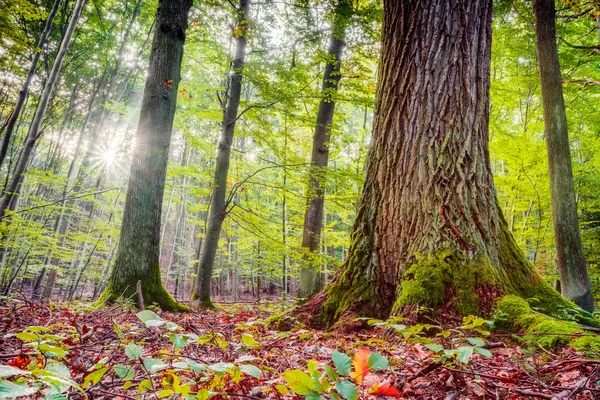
(514, 313)
(471, 284)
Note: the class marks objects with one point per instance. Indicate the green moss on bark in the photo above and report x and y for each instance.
(204, 302)
(153, 292)
(446, 277)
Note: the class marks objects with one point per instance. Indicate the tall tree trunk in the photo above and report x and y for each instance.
(313, 218)
(429, 231)
(12, 191)
(14, 116)
(138, 251)
(218, 205)
(575, 283)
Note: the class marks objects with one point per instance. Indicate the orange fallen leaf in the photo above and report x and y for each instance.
(361, 364)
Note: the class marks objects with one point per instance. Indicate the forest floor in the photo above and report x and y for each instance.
(113, 353)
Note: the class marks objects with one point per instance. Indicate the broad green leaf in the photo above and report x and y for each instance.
(245, 358)
(203, 394)
(342, 362)
(50, 350)
(194, 365)
(477, 342)
(377, 361)
(299, 381)
(133, 351)
(144, 386)
(178, 341)
(27, 337)
(314, 396)
(434, 347)
(331, 373)
(483, 352)
(464, 354)
(7, 370)
(251, 370)
(164, 393)
(94, 377)
(221, 367)
(248, 339)
(148, 315)
(154, 365)
(124, 372)
(11, 390)
(347, 390)
(282, 389)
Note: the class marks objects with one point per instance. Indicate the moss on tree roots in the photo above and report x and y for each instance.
(153, 293)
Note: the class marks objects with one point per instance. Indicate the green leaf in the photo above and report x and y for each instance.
(196, 366)
(377, 361)
(314, 396)
(342, 362)
(248, 339)
(221, 367)
(251, 370)
(144, 385)
(148, 315)
(94, 377)
(51, 351)
(11, 390)
(203, 394)
(334, 396)
(331, 373)
(347, 390)
(124, 372)
(133, 351)
(434, 347)
(7, 370)
(477, 342)
(299, 381)
(483, 352)
(27, 337)
(464, 354)
(178, 341)
(154, 365)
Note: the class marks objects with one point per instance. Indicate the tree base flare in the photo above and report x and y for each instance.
(153, 294)
(203, 302)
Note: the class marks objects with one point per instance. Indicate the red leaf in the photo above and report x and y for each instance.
(384, 389)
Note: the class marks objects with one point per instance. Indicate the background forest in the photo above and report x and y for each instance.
(59, 239)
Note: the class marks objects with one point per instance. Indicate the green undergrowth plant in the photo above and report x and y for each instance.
(343, 380)
(161, 373)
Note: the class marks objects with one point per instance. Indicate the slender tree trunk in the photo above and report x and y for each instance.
(12, 191)
(429, 231)
(14, 116)
(313, 218)
(575, 283)
(218, 205)
(138, 251)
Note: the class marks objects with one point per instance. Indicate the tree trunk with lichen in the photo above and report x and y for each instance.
(572, 266)
(138, 251)
(429, 232)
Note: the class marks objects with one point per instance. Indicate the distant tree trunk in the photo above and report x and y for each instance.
(218, 203)
(575, 283)
(138, 250)
(14, 116)
(313, 218)
(13, 189)
(429, 231)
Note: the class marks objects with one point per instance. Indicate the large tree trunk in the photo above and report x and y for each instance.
(13, 189)
(14, 116)
(218, 205)
(574, 280)
(313, 218)
(429, 231)
(138, 251)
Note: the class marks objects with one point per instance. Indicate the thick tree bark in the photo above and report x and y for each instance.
(138, 251)
(218, 205)
(14, 116)
(572, 267)
(313, 218)
(13, 189)
(429, 231)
